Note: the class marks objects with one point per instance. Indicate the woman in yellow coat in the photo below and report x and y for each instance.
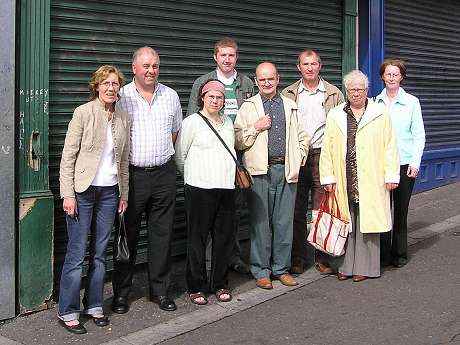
(359, 161)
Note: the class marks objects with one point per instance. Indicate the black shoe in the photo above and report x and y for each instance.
(401, 262)
(101, 321)
(164, 302)
(240, 267)
(120, 305)
(77, 329)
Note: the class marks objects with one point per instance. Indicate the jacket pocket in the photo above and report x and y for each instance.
(79, 166)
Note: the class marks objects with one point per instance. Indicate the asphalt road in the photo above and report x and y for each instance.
(416, 305)
(419, 304)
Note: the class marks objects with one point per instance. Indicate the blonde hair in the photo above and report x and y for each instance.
(100, 75)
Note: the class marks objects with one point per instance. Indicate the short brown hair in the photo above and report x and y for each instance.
(100, 75)
(308, 52)
(224, 43)
(393, 62)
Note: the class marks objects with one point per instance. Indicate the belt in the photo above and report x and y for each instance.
(148, 169)
(275, 160)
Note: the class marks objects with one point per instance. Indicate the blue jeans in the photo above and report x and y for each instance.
(97, 207)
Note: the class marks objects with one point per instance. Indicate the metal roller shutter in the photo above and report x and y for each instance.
(426, 35)
(86, 34)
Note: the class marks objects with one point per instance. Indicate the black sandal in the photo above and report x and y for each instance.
(221, 292)
(195, 296)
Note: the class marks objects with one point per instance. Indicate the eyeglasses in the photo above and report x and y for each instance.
(215, 98)
(269, 81)
(356, 90)
(107, 84)
(392, 75)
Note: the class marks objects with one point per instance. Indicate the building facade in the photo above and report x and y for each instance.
(61, 42)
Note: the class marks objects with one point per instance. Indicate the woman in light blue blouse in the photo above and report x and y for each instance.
(406, 116)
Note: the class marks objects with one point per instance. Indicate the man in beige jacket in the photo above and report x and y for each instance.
(314, 97)
(275, 147)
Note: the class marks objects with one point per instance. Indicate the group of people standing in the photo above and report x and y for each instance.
(125, 144)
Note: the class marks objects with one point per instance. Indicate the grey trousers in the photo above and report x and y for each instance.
(362, 255)
(271, 206)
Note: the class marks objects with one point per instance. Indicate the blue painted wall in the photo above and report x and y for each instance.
(439, 167)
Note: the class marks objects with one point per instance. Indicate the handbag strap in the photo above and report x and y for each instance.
(122, 225)
(219, 137)
(327, 204)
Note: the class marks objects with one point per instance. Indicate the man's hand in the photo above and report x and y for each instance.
(329, 187)
(391, 186)
(70, 206)
(263, 123)
(412, 172)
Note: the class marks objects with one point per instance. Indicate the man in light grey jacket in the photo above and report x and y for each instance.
(314, 97)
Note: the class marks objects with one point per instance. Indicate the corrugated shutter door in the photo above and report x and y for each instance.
(86, 34)
(426, 35)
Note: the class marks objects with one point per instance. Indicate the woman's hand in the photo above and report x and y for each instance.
(329, 187)
(122, 206)
(70, 206)
(391, 186)
(412, 172)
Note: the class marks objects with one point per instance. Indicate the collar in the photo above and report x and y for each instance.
(319, 88)
(157, 86)
(400, 97)
(101, 106)
(276, 98)
(348, 110)
(224, 79)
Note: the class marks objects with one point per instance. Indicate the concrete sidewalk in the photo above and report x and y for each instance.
(431, 213)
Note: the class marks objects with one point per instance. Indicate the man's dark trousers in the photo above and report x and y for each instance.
(152, 191)
(308, 182)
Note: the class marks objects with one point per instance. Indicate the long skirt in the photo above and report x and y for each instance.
(362, 255)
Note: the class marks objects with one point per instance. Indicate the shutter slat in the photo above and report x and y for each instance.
(426, 35)
(88, 33)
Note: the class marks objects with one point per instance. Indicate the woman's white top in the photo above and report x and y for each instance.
(106, 174)
(201, 157)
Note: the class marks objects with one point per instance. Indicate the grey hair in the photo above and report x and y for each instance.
(354, 75)
(141, 50)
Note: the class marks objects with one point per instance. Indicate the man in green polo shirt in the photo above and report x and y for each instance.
(238, 87)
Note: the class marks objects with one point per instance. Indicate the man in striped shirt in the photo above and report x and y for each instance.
(156, 117)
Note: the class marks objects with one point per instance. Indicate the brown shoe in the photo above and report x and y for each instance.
(264, 283)
(358, 278)
(286, 279)
(341, 276)
(323, 269)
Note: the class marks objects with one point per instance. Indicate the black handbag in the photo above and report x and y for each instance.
(243, 178)
(121, 242)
